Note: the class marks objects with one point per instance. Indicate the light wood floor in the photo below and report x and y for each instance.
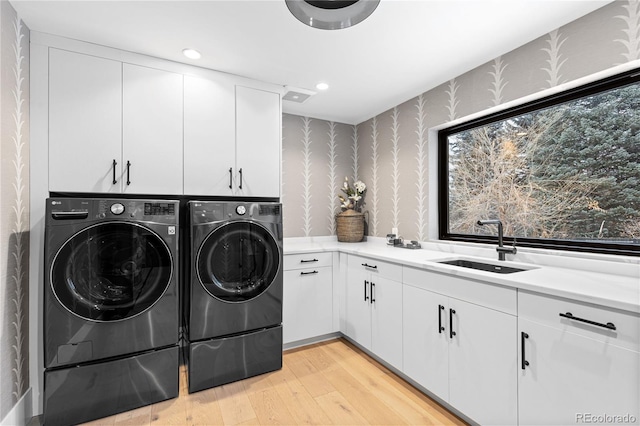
(329, 383)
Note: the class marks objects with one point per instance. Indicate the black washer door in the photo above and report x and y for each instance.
(238, 261)
(111, 271)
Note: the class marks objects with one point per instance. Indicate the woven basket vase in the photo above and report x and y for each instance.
(350, 226)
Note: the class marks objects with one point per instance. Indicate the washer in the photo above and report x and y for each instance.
(235, 297)
(110, 306)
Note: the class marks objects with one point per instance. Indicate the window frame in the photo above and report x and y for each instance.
(613, 82)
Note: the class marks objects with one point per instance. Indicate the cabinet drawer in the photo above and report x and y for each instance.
(547, 309)
(307, 260)
(376, 267)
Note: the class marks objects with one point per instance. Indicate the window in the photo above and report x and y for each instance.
(562, 172)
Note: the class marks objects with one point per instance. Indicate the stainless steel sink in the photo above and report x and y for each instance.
(472, 264)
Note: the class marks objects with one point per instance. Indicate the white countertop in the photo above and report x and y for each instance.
(606, 289)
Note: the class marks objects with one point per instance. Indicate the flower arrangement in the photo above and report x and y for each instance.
(354, 199)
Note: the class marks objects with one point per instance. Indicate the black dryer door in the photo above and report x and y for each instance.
(111, 271)
(238, 261)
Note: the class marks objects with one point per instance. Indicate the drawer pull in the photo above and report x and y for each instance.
(609, 325)
(366, 265)
(113, 166)
(451, 332)
(523, 337)
(307, 261)
(308, 273)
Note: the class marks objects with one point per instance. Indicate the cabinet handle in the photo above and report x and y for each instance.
(609, 325)
(307, 261)
(373, 295)
(366, 265)
(128, 172)
(114, 164)
(308, 273)
(440, 327)
(230, 177)
(523, 337)
(365, 290)
(240, 171)
(451, 332)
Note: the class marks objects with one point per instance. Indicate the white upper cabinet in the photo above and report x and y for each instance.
(232, 139)
(152, 131)
(85, 123)
(258, 142)
(128, 124)
(209, 136)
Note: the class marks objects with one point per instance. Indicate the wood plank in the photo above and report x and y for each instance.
(270, 409)
(139, 416)
(339, 410)
(371, 408)
(234, 403)
(312, 379)
(202, 408)
(169, 412)
(302, 406)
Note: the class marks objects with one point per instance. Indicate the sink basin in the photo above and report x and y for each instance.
(498, 269)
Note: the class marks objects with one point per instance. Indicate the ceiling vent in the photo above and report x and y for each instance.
(295, 94)
(331, 14)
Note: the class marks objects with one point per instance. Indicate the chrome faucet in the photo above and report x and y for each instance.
(500, 249)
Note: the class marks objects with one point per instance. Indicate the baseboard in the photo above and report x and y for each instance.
(21, 413)
(311, 341)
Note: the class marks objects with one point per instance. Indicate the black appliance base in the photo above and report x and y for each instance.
(87, 392)
(224, 360)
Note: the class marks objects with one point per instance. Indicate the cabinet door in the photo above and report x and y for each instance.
(85, 115)
(152, 131)
(358, 323)
(209, 136)
(308, 304)
(386, 320)
(482, 364)
(425, 344)
(258, 142)
(571, 376)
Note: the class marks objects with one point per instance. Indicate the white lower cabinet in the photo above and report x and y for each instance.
(374, 307)
(572, 372)
(463, 352)
(308, 297)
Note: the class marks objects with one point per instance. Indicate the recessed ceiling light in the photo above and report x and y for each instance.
(322, 86)
(191, 53)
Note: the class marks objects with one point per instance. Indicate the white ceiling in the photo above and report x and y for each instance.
(404, 48)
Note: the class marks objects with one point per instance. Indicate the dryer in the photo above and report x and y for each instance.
(235, 296)
(110, 306)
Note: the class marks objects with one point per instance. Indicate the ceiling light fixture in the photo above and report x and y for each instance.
(191, 53)
(322, 86)
(331, 14)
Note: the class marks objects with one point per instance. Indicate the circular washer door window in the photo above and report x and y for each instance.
(111, 271)
(238, 261)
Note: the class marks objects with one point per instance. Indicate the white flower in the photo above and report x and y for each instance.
(360, 186)
(356, 198)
